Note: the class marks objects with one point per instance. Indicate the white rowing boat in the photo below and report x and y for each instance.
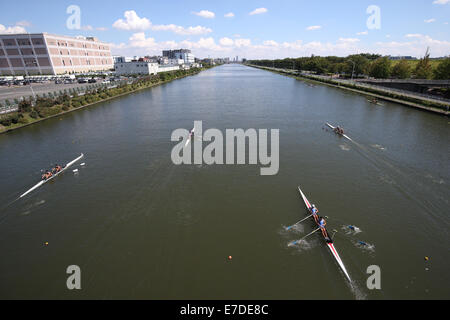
(191, 135)
(377, 103)
(328, 241)
(333, 128)
(56, 174)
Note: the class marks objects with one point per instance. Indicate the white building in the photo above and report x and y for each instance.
(175, 62)
(136, 67)
(168, 67)
(122, 59)
(49, 54)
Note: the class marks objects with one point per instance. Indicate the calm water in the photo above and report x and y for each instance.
(140, 227)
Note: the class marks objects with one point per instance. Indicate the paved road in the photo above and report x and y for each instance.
(14, 92)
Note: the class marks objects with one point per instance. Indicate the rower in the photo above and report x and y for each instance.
(322, 224)
(58, 168)
(314, 210)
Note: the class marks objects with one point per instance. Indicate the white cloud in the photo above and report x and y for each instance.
(364, 33)
(181, 30)
(132, 22)
(430, 20)
(23, 23)
(14, 29)
(226, 42)
(441, 1)
(258, 11)
(270, 43)
(413, 35)
(205, 14)
(87, 28)
(310, 28)
(229, 15)
(414, 45)
(349, 40)
(445, 22)
(242, 42)
(101, 28)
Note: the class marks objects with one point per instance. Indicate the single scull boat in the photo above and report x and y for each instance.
(191, 135)
(333, 128)
(329, 241)
(46, 180)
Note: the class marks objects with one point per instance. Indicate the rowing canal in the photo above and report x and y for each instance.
(141, 227)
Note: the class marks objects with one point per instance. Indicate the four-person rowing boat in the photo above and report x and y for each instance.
(51, 177)
(326, 237)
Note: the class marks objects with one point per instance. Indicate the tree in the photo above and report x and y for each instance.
(24, 106)
(360, 62)
(402, 70)
(442, 71)
(380, 68)
(423, 67)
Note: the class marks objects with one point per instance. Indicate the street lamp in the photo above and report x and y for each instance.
(353, 71)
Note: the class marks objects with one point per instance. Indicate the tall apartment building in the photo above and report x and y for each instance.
(184, 54)
(42, 53)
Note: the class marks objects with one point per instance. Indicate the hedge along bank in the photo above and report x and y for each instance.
(30, 112)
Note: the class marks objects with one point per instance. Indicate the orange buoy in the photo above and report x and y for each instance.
(230, 257)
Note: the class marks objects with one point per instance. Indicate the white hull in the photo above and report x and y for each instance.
(344, 135)
(44, 181)
(330, 243)
(189, 138)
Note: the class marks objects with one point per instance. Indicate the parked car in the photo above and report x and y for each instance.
(82, 80)
(92, 80)
(106, 81)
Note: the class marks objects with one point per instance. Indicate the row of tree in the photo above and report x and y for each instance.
(49, 105)
(364, 64)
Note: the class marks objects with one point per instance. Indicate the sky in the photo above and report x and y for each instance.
(248, 29)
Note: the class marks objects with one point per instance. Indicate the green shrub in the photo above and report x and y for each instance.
(24, 106)
(34, 114)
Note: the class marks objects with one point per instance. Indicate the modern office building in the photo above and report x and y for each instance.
(184, 54)
(48, 54)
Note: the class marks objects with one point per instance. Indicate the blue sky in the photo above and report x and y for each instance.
(283, 28)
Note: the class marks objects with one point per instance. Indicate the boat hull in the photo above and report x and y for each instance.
(329, 242)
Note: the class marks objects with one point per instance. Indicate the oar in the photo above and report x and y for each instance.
(297, 241)
(290, 227)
